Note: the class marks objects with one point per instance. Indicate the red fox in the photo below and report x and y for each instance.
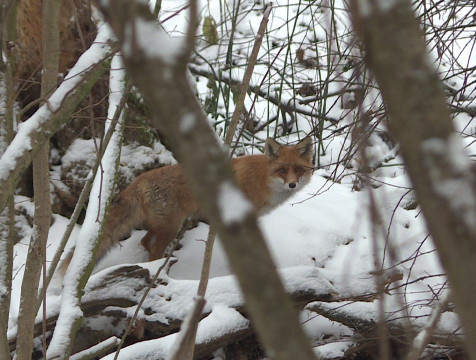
(161, 199)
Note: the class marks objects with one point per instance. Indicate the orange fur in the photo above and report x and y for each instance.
(161, 199)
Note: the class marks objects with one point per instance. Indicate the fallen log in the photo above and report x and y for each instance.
(111, 296)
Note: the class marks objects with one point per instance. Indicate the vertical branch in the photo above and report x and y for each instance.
(8, 32)
(185, 350)
(361, 140)
(49, 79)
(37, 250)
(207, 260)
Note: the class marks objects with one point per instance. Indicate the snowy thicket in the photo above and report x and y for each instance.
(330, 248)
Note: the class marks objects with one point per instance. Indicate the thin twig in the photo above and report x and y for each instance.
(207, 260)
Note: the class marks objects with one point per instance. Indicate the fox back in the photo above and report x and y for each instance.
(161, 199)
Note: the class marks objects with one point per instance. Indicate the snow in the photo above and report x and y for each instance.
(334, 350)
(368, 7)
(86, 354)
(116, 85)
(135, 159)
(187, 328)
(147, 37)
(320, 239)
(187, 123)
(56, 231)
(232, 204)
(313, 240)
(218, 323)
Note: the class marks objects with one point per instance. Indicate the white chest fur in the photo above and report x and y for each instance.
(280, 192)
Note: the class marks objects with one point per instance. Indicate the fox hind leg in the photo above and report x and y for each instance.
(157, 239)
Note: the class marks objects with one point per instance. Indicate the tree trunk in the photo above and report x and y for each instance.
(36, 258)
(442, 175)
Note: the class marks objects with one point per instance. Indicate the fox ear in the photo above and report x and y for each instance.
(271, 148)
(305, 147)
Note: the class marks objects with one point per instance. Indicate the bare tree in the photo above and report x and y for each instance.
(441, 173)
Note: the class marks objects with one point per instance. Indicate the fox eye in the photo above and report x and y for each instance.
(298, 170)
(282, 170)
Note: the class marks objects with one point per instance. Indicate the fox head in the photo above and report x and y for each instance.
(291, 166)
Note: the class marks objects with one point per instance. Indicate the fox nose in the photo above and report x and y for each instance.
(292, 185)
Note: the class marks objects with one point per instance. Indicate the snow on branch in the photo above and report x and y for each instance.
(368, 7)
(54, 113)
(451, 180)
(284, 103)
(95, 351)
(221, 321)
(362, 318)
